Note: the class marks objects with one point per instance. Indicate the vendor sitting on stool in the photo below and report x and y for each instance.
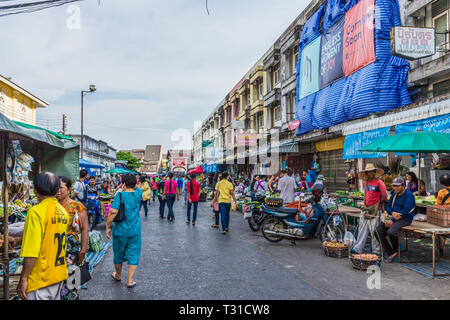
(401, 206)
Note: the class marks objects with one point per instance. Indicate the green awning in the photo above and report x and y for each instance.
(57, 155)
(29, 126)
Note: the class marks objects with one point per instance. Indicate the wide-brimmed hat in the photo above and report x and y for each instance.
(321, 177)
(370, 167)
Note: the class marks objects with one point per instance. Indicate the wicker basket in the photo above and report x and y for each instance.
(439, 215)
(363, 265)
(336, 252)
(274, 202)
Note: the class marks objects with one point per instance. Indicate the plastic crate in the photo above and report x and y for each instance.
(439, 215)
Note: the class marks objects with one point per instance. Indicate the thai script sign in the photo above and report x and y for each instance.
(355, 142)
(247, 139)
(413, 43)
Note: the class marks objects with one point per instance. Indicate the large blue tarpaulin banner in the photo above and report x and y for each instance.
(436, 124)
(355, 142)
(368, 85)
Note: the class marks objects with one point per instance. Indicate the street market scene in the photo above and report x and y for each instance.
(323, 174)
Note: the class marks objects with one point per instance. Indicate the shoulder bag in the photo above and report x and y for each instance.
(121, 215)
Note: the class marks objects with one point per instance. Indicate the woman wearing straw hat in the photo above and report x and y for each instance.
(375, 195)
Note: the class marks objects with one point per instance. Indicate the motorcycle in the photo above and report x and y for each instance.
(280, 224)
(93, 210)
(257, 215)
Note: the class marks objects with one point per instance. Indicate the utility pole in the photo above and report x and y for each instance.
(64, 119)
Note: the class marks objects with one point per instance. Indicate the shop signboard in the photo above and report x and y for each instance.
(238, 124)
(179, 164)
(435, 124)
(355, 142)
(309, 69)
(413, 43)
(294, 125)
(247, 139)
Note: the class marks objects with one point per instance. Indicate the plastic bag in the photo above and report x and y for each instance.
(248, 213)
(362, 238)
(420, 217)
(349, 239)
(95, 241)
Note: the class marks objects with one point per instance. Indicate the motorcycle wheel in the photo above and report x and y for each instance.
(271, 223)
(328, 231)
(254, 222)
(92, 222)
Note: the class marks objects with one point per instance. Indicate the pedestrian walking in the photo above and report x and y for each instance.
(171, 192)
(80, 189)
(43, 244)
(126, 235)
(77, 235)
(154, 186)
(216, 210)
(193, 193)
(146, 194)
(224, 193)
(184, 190)
(161, 198)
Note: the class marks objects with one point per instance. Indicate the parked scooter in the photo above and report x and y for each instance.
(93, 210)
(280, 223)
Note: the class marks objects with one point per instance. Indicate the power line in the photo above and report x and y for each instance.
(7, 10)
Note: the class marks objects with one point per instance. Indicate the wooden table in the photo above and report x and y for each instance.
(424, 228)
(349, 212)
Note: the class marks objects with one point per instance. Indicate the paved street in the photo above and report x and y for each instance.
(186, 262)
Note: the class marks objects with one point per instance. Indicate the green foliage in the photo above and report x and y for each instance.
(133, 163)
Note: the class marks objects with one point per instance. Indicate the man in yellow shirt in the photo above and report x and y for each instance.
(224, 193)
(44, 243)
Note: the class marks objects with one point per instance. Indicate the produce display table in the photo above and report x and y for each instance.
(426, 229)
(349, 212)
(347, 196)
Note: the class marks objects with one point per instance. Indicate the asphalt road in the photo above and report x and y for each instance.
(183, 262)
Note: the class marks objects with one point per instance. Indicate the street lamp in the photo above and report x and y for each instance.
(83, 92)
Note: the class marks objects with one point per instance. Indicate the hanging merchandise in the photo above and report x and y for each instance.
(18, 166)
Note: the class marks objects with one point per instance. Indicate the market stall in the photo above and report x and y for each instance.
(25, 152)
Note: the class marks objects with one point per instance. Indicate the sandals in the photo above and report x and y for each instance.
(224, 232)
(215, 226)
(391, 260)
(114, 276)
(129, 286)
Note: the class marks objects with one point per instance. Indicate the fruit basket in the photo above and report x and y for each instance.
(364, 261)
(335, 249)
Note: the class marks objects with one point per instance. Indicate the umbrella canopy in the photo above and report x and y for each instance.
(197, 170)
(90, 165)
(412, 142)
(118, 171)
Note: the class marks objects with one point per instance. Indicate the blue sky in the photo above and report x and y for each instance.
(159, 66)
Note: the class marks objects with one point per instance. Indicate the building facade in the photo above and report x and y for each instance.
(97, 151)
(17, 103)
(151, 158)
(265, 100)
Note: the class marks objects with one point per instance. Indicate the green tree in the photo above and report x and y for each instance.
(133, 163)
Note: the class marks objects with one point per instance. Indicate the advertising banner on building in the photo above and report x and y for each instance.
(179, 164)
(247, 139)
(342, 50)
(309, 70)
(359, 49)
(331, 66)
(355, 142)
(435, 124)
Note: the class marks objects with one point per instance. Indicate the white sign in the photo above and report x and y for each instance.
(413, 43)
(236, 125)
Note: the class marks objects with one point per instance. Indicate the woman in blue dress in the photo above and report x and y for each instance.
(126, 235)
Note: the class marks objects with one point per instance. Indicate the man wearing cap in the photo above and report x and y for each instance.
(401, 206)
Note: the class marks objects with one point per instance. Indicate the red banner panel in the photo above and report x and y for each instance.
(359, 50)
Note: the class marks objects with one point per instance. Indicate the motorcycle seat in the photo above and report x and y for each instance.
(283, 210)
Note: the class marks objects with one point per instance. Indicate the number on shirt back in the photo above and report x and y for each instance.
(60, 260)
